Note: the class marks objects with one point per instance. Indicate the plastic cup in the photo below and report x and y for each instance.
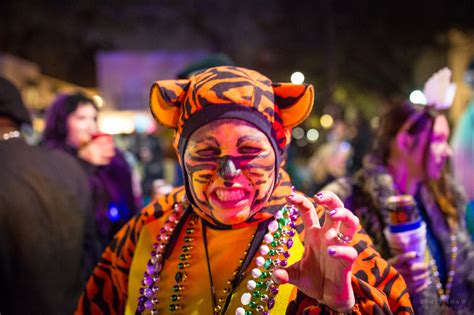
(407, 240)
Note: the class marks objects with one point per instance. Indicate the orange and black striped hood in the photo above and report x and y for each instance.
(229, 92)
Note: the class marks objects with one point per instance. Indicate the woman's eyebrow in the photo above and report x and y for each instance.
(246, 138)
(208, 139)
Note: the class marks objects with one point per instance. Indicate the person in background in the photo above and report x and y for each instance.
(328, 162)
(172, 173)
(71, 126)
(147, 148)
(409, 158)
(125, 144)
(228, 241)
(360, 144)
(47, 241)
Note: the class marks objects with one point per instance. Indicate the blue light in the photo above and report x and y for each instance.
(114, 214)
(345, 146)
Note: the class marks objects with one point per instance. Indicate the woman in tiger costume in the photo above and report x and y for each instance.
(236, 239)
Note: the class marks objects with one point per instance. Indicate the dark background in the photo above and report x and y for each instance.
(364, 49)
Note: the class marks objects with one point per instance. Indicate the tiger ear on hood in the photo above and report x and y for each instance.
(294, 101)
(165, 96)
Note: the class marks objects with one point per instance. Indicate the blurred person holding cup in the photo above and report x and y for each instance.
(405, 178)
(406, 236)
(71, 126)
(99, 150)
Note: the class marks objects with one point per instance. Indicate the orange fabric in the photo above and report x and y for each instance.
(225, 247)
(173, 102)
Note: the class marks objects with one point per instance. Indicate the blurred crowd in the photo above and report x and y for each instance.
(75, 189)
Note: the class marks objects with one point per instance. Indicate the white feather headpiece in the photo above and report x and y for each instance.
(439, 90)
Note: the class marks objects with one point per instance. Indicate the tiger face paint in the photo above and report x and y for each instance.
(230, 166)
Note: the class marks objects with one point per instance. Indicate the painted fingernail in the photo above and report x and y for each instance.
(319, 195)
(332, 212)
(274, 278)
(331, 251)
(293, 189)
(291, 197)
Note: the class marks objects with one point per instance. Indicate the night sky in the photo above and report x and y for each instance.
(365, 46)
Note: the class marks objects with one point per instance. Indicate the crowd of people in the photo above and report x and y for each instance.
(231, 234)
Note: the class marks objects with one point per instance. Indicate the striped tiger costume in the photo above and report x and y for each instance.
(186, 105)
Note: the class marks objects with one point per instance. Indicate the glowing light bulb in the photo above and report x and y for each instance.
(326, 121)
(297, 77)
(417, 97)
(312, 135)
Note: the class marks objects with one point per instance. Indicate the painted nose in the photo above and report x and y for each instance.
(449, 151)
(228, 169)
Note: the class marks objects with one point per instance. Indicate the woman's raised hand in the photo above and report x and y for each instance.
(325, 270)
(98, 151)
(416, 274)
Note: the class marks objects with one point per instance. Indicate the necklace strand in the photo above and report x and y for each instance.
(11, 135)
(444, 294)
(181, 275)
(148, 299)
(220, 305)
(263, 289)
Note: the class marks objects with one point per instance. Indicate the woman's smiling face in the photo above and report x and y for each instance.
(230, 166)
(81, 124)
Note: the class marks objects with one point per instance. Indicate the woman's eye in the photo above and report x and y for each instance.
(249, 150)
(208, 152)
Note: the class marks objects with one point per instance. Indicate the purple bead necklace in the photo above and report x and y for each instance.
(262, 289)
(148, 300)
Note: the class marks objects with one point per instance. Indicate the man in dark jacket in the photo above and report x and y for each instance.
(46, 226)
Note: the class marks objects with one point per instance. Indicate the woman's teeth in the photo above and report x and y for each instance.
(230, 195)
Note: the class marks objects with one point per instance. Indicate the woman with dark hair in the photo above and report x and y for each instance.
(71, 126)
(409, 158)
